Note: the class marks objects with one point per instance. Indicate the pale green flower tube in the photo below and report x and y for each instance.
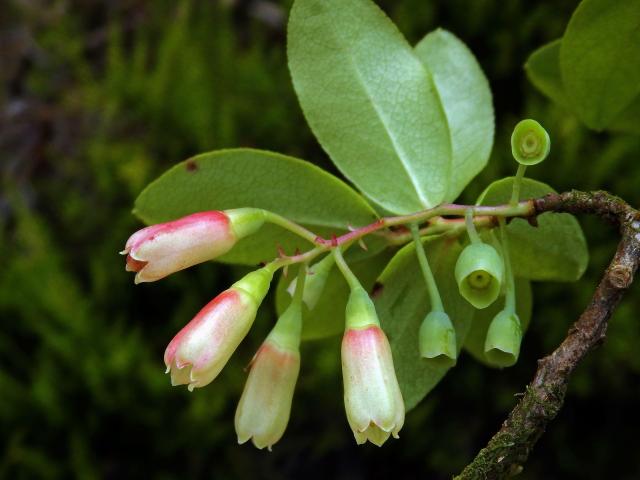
(372, 397)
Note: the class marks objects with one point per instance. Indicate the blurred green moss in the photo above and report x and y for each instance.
(101, 97)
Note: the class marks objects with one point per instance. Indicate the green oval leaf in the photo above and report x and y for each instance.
(237, 178)
(600, 59)
(327, 318)
(629, 119)
(370, 102)
(543, 70)
(465, 96)
(474, 343)
(402, 303)
(554, 250)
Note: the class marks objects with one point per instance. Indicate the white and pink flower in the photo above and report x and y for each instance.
(199, 351)
(372, 398)
(265, 406)
(160, 250)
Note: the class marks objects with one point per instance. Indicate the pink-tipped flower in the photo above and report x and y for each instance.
(265, 405)
(160, 250)
(372, 397)
(202, 348)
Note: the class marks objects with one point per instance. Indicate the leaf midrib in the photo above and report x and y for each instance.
(400, 153)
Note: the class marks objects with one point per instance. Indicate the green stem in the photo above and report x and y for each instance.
(434, 295)
(471, 229)
(351, 279)
(521, 209)
(510, 287)
(298, 293)
(289, 225)
(450, 226)
(484, 216)
(517, 183)
(288, 328)
(299, 258)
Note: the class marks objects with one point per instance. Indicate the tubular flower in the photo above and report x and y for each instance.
(265, 405)
(502, 343)
(160, 250)
(437, 339)
(479, 272)
(372, 398)
(201, 349)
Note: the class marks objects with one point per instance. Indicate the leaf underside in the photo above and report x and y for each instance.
(370, 102)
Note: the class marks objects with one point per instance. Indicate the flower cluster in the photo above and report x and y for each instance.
(373, 399)
(197, 354)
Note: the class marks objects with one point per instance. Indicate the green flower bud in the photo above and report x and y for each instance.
(502, 345)
(437, 339)
(315, 282)
(479, 272)
(530, 143)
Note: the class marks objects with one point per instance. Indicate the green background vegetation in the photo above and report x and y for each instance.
(101, 97)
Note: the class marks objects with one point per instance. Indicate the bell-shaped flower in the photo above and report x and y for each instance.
(372, 397)
(202, 348)
(160, 250)
(502, 343)
(437, 339)
(479, 272)
(530, 143)
(265, 406)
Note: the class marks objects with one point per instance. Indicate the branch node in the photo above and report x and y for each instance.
(621, 276)
(511, 445)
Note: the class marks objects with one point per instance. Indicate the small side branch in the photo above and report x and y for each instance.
(507, 451)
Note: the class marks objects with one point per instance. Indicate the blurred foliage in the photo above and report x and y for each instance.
(99, 98)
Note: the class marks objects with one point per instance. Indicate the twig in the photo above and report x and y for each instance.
(507, 451)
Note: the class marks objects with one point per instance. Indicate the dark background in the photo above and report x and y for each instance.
(101, 97)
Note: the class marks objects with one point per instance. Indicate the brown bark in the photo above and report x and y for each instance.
(510, 447)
